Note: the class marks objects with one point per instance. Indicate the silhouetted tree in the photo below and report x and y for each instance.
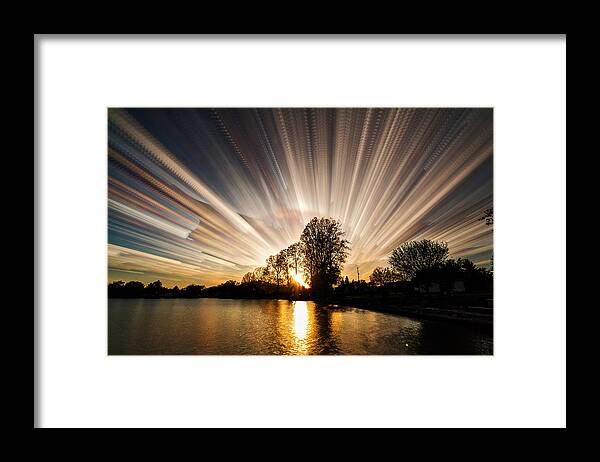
(248, 278)
(134, 289)
(278, 268)
(444, 274)
(154, 289)
(131, 289)
(192, 291)
(381, 276)
(376, 277)
(283, 266)
(476, 278)
(415, 256)
(451, 271)
(324, 251)
(115, 289)
(488, 216)
(294, 254)
(261, 274)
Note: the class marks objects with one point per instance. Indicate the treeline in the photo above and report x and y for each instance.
(424, 265)
(228, 289)
(136, 289)
(319, 255)
(421, 266)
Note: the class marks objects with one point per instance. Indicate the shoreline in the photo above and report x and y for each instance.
(479, 316)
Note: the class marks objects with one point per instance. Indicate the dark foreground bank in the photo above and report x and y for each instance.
(471, 310)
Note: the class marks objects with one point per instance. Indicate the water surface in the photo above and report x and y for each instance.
(278, 327)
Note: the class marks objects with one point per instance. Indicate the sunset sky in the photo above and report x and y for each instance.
(206, 195)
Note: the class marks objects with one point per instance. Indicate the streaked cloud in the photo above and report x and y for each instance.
(204, 195)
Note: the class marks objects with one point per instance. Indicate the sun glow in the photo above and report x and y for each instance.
(299, 280)
(300, 320)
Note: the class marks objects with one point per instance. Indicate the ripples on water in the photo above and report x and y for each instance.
(278, 327)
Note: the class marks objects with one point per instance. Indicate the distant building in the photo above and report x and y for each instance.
(432, 287)
(435, 287)
(458, 286)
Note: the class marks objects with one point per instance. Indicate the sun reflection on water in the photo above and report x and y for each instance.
(300, 319)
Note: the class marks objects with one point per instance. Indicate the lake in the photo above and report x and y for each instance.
(210, 326)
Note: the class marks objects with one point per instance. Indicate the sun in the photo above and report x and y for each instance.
(299, 280)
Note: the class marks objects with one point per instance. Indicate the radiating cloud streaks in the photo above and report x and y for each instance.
(204, 195)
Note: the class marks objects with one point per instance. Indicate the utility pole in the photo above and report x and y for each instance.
(357, 274)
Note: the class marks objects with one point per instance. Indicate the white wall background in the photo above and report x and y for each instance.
(523, 384)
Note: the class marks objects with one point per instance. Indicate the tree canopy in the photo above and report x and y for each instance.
(488, 216)
(294, 255)
(324, 252)
(415, 256)
(382, 276)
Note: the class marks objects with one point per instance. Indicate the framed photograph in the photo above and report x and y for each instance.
(244, 231)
